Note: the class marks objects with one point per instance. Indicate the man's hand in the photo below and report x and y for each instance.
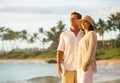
(59, 70)
(85, 66)
(59, 59)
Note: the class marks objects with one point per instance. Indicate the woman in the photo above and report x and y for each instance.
(87, 50)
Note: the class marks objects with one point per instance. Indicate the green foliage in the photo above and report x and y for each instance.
(30, 55)
(101, 52)
(51, 54)
(54, 33)
(108, 54)
(48, 54)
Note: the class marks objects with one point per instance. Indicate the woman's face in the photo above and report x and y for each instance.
(85, 25)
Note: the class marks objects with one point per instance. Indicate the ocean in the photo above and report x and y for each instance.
(19, 71)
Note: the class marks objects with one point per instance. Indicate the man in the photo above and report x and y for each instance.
(67, 47)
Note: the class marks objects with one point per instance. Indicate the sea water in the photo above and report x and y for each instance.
(20, 71)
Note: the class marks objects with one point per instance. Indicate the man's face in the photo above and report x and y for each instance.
(73, 19)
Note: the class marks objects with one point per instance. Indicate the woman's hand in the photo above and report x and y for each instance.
(85, 66)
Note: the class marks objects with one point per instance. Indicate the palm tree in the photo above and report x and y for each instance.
(40, 37)
(118, 25)
(109, 29)
(12, 37)
(101, 28)
(3, 31)
(118, 20)
(23, 35)
(30, 38)
(54, 33)
(115, 22)
(118, 40)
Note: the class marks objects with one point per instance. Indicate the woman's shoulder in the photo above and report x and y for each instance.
(92, 32)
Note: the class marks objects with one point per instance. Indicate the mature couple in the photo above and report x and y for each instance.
(77, 46)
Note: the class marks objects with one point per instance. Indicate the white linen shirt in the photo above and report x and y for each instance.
(68, 44)
(87, 50)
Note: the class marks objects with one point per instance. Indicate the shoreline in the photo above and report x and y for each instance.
(34, 60)
(25, 60)
(109, 60)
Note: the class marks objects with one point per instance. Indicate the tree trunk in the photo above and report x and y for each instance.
(111, 46)
(3, 49)
(103, 42)
(115, 41)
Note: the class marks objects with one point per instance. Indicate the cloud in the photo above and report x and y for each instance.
(115, 9)
(96, 11)
(3, 6)
(37, 9)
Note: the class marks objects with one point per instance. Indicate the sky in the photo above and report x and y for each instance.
(33, 14)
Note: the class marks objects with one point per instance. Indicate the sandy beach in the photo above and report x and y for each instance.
(111, 60)
(24, 60)
(35, 60)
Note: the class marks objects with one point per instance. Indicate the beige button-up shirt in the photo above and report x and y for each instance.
(87, 50)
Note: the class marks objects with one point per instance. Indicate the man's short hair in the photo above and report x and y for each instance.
(79, 16)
